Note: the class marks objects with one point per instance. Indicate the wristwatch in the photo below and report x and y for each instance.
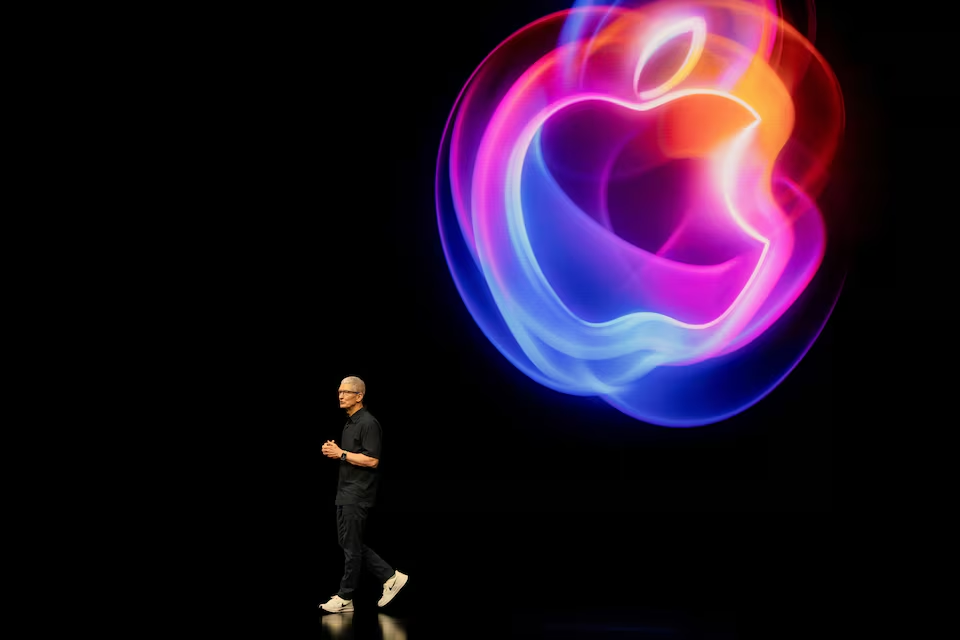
(343, 457)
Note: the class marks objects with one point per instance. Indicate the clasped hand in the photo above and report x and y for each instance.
(330, 449)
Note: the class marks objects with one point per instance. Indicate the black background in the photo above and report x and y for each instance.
(496, 487)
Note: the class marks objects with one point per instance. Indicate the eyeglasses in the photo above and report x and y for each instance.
(340, 393)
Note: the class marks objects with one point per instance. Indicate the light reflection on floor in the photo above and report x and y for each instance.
(373, 626)
(342, 626)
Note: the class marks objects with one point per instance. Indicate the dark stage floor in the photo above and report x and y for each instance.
(508, 619)
(600, 576)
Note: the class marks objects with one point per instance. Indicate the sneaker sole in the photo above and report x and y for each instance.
(345, 610)
(401, 580)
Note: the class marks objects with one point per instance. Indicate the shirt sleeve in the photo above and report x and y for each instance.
(370, 439)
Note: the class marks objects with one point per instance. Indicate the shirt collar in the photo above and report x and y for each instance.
(356, 414)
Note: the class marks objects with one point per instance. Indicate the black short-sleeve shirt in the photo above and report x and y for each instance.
(361, 434)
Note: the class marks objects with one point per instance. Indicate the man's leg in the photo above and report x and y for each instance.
(376, 565)
(350, 522)
(391, 580)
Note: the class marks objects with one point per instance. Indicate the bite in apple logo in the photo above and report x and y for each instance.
(625, 198)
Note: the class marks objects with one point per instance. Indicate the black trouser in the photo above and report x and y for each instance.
(351, 519)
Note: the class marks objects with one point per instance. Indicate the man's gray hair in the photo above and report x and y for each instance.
(356, 383)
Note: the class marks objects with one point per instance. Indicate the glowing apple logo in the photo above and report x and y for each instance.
(625, 199)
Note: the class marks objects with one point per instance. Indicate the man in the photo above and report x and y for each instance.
(359, 456)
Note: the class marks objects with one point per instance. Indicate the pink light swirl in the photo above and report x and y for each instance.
(626, 202)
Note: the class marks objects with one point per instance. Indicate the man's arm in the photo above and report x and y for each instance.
(332, 450)
(369, 442)
(360, 460)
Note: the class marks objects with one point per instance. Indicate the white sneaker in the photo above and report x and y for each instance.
(336, 604)
(392, 587)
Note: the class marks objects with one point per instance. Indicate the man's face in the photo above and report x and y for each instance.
(348, 396)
